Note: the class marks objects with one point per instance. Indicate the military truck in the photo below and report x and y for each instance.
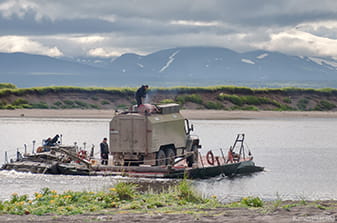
(152, 135)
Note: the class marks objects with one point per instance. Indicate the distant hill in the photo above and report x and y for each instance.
(191, 66)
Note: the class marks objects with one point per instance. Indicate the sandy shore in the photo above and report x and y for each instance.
(190, 114)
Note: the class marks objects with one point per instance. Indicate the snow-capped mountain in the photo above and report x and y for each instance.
(177, 66)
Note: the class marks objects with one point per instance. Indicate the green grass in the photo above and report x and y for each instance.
(129, 198)
(122, 196)
(167, 101)
(7, 85)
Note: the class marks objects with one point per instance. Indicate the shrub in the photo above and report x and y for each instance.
(68, 102)
(41, 105)
(20, 101)
(193, 98)
(232, 98)
(105, 102)
(214, 105)
(122, 106)
(252, 201)
(302, 104)
(9, 107)
(185, 192)
(249, 108)
(7, 85)
(249, 100)
(58, 103)
(94, 106)
(126, 191)
(324, 106)
(2, 104)
(81, 104)
(287, 100)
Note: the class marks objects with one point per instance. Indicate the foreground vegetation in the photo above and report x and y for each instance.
(216, 97)
(126, 197)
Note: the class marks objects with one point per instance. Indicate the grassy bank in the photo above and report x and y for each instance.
(215, 97)
(127, 198)
(124, 196)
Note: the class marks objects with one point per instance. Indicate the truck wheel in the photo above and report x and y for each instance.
(170, 154)
(161, 159)
(192, 158)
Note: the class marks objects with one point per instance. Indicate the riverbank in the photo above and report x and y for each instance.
(212, 97)
(190, 114)
(276, 211)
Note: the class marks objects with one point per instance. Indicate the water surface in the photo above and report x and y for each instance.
(298, 154)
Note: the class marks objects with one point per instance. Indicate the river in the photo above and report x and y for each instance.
(298, 156)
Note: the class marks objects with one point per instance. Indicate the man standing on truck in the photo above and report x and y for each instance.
(104, 152)
(141, 93)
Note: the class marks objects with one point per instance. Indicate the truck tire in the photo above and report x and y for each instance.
(192, 158)
(161, 159)
(170, 155)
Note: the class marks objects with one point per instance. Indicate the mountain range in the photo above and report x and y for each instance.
(190, 66)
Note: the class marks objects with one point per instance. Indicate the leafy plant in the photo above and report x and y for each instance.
(249, 108)
(252, 201)
(93, 106)
(214, 105)
(40, 105)
(58, 103)
(185, 192)
(68, 102)
(105, 102)
(232, 98)
(324, 106)
(19, 101)
(287, 100)
(302, 104)
(81, 104)
(126, 191)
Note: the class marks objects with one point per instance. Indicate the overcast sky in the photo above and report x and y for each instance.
(109, 28)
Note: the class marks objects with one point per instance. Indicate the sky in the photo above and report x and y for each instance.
(110, 28)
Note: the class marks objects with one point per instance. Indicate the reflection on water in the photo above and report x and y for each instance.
(299, 156)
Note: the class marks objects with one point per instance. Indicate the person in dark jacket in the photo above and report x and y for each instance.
(141, 93)
(104, 152)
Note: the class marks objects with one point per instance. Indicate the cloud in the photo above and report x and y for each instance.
(100, 52)
(107, 28)
(11, 44)
(17, 7)
(299, 43)
(194, 23)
